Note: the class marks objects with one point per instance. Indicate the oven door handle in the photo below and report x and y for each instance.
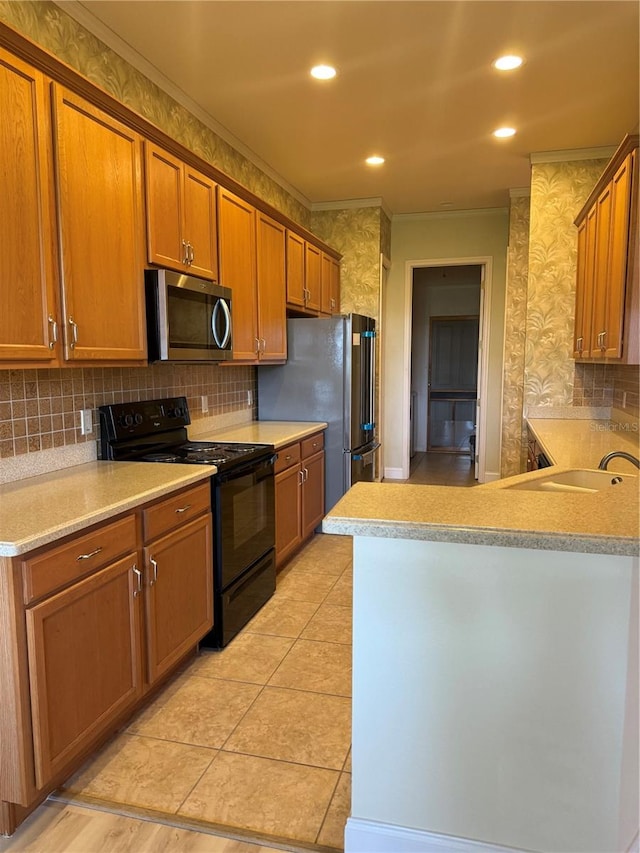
(252, 466)
(221, 305)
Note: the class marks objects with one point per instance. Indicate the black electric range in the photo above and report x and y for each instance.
(242, 500)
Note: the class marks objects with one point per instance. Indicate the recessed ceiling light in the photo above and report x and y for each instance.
(323, 72)
(375, 160)
(508, 63)
(504, 132)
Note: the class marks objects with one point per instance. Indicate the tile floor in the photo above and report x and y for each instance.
(254, 738)
(441, 469)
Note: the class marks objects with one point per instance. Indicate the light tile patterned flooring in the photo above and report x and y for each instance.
(254, 739)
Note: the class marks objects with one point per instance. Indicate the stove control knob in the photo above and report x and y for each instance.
(138, 419)
(126, 420)
(175, 412)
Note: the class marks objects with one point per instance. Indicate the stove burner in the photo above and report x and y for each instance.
(161, 457)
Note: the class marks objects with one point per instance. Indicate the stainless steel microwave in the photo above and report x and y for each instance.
(188, 318)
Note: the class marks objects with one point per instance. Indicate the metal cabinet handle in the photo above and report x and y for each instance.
(54, 332)
(579, 344)
(601, 339)
(154, 566)
(88, 556)
(74, 333)
(257, 340)
(263, 344)
(185, 252)
(306, 475)
(300, 477)
(138, 575)
(183, 509)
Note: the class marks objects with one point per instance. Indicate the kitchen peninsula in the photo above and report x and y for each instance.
(503, 627)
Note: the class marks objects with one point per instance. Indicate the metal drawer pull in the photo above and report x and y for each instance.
(300, 477)
(54, 332)
(183, 509)
(88, 556)
(74, 333)
(138, 575)
(154, 565)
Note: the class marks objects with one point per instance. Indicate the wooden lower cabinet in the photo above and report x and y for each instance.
(299, 490)
(84, 663)
(179, 594)
(89, 625)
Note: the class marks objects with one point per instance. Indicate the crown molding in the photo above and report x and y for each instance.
(85, 18)
(450, 214)
(520, 192)
(570, 154)
(351, 204)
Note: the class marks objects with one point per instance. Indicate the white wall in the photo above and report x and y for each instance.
(468, 234)
(435, 296)
(492, 694)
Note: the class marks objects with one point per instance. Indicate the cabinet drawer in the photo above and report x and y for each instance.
(176, 510)
(60, 566)
(312, 444)
(287, 457)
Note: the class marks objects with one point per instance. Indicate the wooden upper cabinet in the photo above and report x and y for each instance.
(237, 257)
(181, 215)
(296, 291)
(606, 319)
(313, 276)
(271, 288)
(330, 298)
(28, 304)
(99, 194)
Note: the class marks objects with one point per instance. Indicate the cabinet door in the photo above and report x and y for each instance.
(237, 257)
(84, 663)
(28, 294)
(601, 271)
(295, 270)
(288, 512)
(200, 223)
(163, 187)
(313, 276)
(312, 493)
(179, 593)
(325, 284)
(98, 175)
(335, 286)
(618, 259)
(271, 287)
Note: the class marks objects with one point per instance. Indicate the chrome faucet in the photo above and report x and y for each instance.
(622, 454)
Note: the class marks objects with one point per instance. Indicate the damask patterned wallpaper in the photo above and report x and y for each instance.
(558, 191)
(50, 27)
(513, 446)
(358, 233)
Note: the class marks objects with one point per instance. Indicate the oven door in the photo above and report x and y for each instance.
(245, 518)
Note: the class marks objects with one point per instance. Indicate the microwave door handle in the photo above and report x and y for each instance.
(214, 317)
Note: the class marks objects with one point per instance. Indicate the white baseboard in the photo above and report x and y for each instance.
(490, 476)
(367, 836)
(395, 474)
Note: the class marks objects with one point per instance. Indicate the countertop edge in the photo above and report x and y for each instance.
(18, 547)
(542, 541)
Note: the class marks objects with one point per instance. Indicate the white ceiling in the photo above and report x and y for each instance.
(415, 84)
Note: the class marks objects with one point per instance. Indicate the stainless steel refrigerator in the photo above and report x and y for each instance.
(329, 376)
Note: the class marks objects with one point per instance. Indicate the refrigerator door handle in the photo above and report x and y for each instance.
(366, 458)
(369, 381)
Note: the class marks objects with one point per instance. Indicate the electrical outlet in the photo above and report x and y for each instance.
(205, 403)
(86, 422)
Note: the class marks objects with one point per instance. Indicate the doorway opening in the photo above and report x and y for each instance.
(446, 366)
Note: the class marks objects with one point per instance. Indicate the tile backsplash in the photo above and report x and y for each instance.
(40, 409)
(607, 385)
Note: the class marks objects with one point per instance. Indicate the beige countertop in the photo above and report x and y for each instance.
(276, 433)
(583, 443)
(605, 522)
(600, 523)
(39, 510)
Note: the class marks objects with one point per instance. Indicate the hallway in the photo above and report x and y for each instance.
(440, 469)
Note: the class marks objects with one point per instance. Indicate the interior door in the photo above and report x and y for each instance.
(453, 379)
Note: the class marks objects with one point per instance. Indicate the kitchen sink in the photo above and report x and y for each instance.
(574, 480)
